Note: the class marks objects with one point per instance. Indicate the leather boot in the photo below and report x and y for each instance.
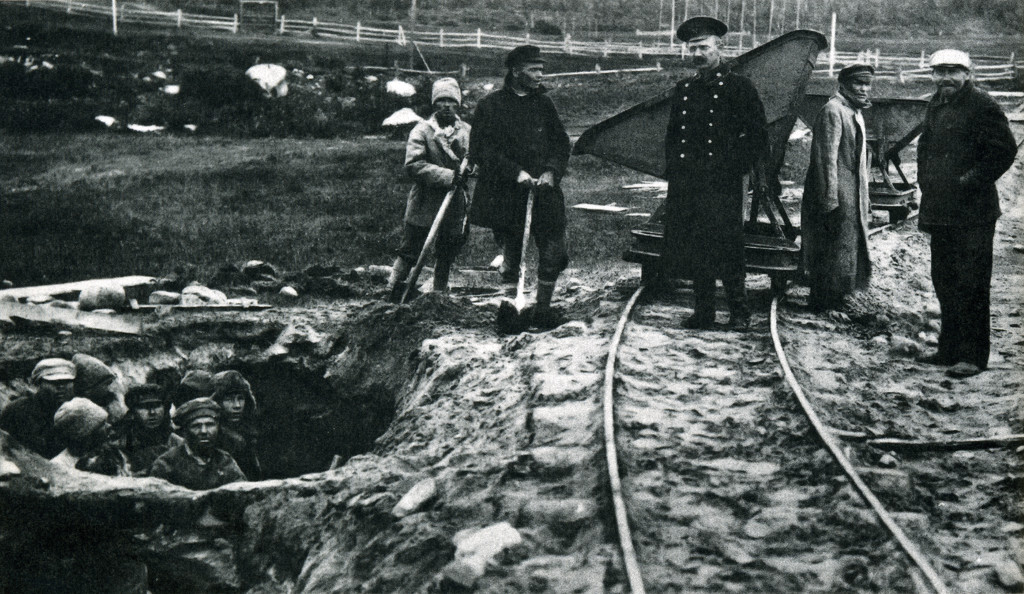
(545, 316)
(736, 294)
(396, 281)
(442, 270)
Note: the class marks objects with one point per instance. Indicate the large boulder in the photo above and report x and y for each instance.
(102, 296)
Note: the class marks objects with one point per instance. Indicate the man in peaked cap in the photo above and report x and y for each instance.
(836, 208)
(716, 134)
(965, 146)
(520, 144)
(96, 381)
(146, 432)
(29, 419)
(198, 463)
(433, 154)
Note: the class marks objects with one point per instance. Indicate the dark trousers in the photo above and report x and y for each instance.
(446, 247)
(962, 275)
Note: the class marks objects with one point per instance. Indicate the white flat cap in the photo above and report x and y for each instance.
(950, 57)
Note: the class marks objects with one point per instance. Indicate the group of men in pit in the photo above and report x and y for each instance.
(200, 434)
(717, 136)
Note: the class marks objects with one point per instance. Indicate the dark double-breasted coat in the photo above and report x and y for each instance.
(716, 131)
(513, 133)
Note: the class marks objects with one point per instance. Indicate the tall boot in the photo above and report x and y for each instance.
(703, 303)
(396, 281)
(544, 316)
(736, 295)
(442, 270)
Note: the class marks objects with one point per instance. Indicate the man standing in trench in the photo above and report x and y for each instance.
(716, 134)
(966, 145)
(198, 463)
(519, 144)
(836, 207)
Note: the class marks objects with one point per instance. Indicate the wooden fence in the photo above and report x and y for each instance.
(905, 68)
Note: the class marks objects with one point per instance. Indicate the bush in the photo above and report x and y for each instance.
(542, 27)
(219, 86)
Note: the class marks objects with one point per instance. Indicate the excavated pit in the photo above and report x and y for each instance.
(326, 387)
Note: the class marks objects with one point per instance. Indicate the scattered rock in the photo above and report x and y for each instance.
(101, 296)
(415, 498)
(164, 297)
(270, 78)
(6, 284)
(902, 346)
(200, 295)
(8, 469)
(256, 268)
(288, 292)
(475, 548)
(1009, 575)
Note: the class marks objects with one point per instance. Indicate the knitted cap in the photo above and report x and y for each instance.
(194, 409)
(53, 370)
(78, 418)
(446, 88)
(90, 373)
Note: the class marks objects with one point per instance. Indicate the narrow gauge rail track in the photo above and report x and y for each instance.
(632, 565)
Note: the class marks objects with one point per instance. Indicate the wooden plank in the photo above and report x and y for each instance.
(128, 282)
(69, 317)
(149, 307)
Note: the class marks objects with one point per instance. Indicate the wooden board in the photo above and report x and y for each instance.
(72, 289)
(70, 317)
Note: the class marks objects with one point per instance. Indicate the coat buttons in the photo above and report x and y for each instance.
(684, 112)
(716, 96)
(683, 141)
(709, 141)
(686, 98)
(711, 124)
(709, 111)
(720, 83)
(682, 156)
(710, 154)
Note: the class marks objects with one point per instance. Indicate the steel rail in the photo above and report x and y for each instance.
(636, 583)
(833, 447)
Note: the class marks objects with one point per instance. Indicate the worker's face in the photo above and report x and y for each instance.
(234, 406)
(201, 433)
(949, 79)
(151, 414)
(446, 110)
(704, 53)
(858, 87)
(60, 390)
(528, 75)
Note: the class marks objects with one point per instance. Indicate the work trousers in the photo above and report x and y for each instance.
(553, 257)
(962, 275)
(446, 247)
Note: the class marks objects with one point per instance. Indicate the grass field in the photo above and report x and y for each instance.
(88, 205)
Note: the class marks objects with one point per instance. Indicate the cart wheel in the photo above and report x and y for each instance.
(779, 282)
(898, 215)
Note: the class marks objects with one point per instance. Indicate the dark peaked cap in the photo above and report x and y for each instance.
(524, 54)
(701, 26)
(854, 69)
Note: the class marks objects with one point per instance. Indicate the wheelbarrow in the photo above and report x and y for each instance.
(635, 138)
(892, 124)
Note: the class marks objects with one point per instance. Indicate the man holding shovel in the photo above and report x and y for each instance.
(521, 148)
(433, 154)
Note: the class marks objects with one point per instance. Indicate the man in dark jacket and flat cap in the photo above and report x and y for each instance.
(519, 144)
(716, 134)
(966, 145)
(198, 464)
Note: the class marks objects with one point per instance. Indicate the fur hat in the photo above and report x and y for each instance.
(232, 382)
(91, 373)
(196, 384)
(78, 418)
(196, 408)
(53, 370)
(446, 88)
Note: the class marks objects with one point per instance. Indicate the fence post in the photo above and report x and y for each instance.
(462, 71)
(921, 63)
(479, 38)
(234, 24)
(401, 36)
(565, 44)
(282, 25)
(440, 37)
(179, 18)
(359, 30)
(69, 6)
(316, 23)
(832, 49)
(878, 55)
(113, 13)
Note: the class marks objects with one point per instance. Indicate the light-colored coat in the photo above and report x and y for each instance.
(432, 155)
(836, 206)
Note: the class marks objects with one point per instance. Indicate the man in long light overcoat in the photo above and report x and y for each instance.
(836, 207)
